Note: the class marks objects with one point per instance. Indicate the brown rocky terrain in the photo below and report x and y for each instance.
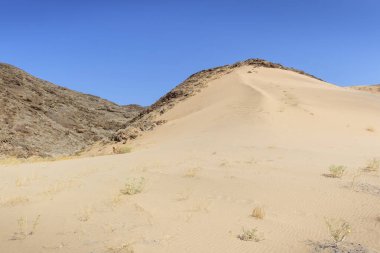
(369, 88)
(147, 119)
(43, 119)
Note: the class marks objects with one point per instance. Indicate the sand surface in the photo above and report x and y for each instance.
(260, 139)
(368, 88)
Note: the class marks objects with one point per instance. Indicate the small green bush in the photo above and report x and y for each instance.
(133, 186)
(338, 229)
(337, 171)
(249, 235)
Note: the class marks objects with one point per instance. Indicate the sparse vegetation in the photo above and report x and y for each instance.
(355, 177)
(23, 228)
(373, 165)
(121, 150)
(115, 200)
(250, 235)
(191, 173)
(84, 214)
(337, 171)
(125, 248)
(22, 181)
(183, 197)
(258, 213)
(339, 229)
(58, 187)
(14, 201)
(133, 186)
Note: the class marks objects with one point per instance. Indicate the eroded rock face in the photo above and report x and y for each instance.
(43, 119)
(147, 119)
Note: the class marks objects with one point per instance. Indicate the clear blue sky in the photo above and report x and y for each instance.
(136, 51)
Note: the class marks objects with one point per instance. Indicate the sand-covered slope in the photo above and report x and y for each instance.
(274, 106)
(147, 119)
(370, 88)
(43, 119)
(255, 137)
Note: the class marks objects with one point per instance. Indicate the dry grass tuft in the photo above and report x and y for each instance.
(373, 165)
(85, 214)
(125, 248)
(337, 171)
(121, 150)
(22, 182)
(116, 200)
(191, 173)
(133, 186)
(250, 235)
(258, 213)
(339, 229)
(14, 201)
(59, 186)
(355, 177)
(23, 228)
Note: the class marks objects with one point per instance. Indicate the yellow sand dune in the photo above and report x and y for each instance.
(256, 137)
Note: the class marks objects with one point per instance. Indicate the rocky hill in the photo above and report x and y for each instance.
(40, 118)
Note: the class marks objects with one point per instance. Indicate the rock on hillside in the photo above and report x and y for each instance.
(40, 118)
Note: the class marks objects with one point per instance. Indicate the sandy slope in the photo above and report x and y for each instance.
(249, 139)
(368, 88)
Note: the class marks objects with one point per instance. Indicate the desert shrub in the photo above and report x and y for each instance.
(192, 172)
(250, 235)
(336, 171)
(24, 229)
(258, 213)
(121, 150)
(338, 229)
(13, 201)
(133, 186)
(124, 248)
(373, 165)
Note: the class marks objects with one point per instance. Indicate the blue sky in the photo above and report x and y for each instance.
(136, 51)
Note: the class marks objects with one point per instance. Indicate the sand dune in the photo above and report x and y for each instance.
(368, 88)
(256, 137)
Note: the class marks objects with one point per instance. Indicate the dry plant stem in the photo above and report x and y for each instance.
(258, 213)
(339, 229)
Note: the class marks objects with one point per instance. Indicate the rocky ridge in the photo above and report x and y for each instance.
(38, 118)
(146, 120)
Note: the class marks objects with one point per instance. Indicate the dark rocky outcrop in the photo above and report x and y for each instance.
(43, 119)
